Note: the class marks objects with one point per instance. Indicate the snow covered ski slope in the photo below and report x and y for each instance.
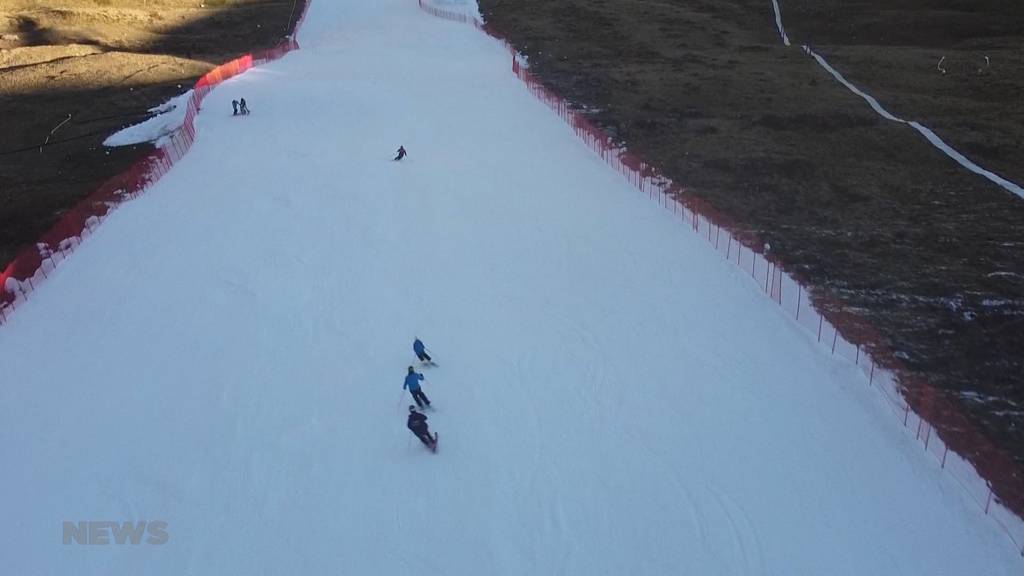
(226, 355)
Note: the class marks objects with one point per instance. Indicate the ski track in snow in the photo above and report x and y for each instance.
(226, 354)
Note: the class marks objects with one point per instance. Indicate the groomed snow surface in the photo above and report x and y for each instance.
(226, 355)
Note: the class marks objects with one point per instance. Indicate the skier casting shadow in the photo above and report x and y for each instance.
(412, 382)
(417, 422)
(401, 153)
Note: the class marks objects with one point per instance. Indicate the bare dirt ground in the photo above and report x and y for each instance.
(104, 63)
(906, 240)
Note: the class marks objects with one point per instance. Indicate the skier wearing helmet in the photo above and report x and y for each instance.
(412, 382)
(417, 422)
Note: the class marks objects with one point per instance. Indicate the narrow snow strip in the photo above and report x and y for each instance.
(964, 161)
(778, 22)
(842, 80)
(924, 130)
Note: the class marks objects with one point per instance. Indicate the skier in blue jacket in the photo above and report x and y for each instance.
(412, 382)
(421, 351)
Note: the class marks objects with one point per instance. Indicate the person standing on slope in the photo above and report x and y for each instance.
(412, 382)
(421, 351)
(417, 422)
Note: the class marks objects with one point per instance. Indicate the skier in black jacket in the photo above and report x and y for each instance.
(417, 422)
